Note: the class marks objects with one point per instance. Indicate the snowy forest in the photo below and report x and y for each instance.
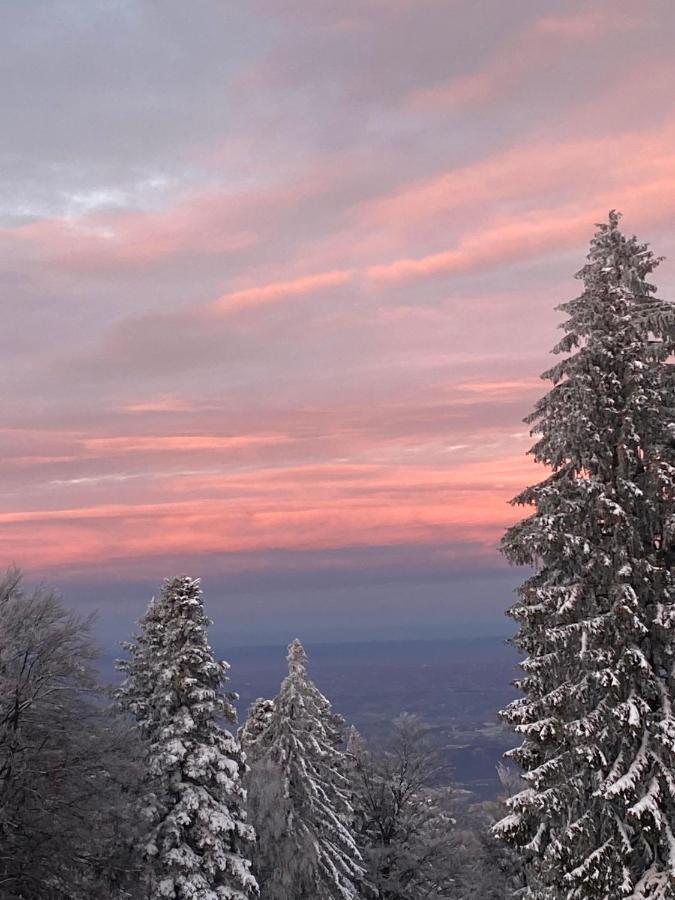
(153, 789)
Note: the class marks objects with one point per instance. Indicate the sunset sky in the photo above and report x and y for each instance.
(278, 281)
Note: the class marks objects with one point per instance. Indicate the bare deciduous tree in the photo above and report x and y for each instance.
(406, 837)
(64, 777)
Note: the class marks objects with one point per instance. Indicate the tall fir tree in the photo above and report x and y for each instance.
(299, 793)
(597, 818)
(199, 841)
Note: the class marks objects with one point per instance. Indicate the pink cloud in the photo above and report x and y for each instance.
(162, 404)
(629, 171)
(277, 291)
(182, 443)
(633, 172)
(503, 243)
(99, 241)
(585, 24)
(301, 508)
(211, 222)
(410, 418)
(463, 90)
(415, 470)
(581, 168)
(500, 388)
(535, 47)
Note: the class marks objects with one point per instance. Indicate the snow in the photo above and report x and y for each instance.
(596, 617)
(299, 792)
(200, 843)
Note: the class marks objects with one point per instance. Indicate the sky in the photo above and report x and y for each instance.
(278, 281)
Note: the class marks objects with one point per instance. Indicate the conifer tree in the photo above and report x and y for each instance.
(259, 716)
(299, 793)
(199, 843)
(597, 818)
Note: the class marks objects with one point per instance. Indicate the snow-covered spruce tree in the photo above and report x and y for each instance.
(199, 841)
(299, 794)
(597, 817)
(259, 716)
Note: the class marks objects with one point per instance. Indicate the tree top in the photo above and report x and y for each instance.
(297, 658)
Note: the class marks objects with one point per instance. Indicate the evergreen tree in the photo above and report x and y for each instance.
(259, 716)
(299, 794)
(596, 618)
(199, 843)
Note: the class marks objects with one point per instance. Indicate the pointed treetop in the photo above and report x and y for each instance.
(355, 742)
(614, 218)
(299, 793)
(297, 658)
(181, 587)
(613, 253)
(182, 596)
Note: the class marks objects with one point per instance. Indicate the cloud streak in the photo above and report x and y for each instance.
(278, 292)
(298, 509)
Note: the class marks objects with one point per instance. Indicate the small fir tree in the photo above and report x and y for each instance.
(259, 716)
(596, 820)
(299, 794)
(199, 844)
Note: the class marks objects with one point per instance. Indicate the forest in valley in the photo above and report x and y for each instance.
(104, 787)
(153, 789)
